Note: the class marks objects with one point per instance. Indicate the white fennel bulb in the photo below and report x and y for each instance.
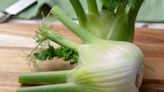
(115, 67)
(107, 59)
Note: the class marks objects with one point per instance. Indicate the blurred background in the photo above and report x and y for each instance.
(151, 13)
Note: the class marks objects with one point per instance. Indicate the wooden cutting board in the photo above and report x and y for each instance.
(17, 41)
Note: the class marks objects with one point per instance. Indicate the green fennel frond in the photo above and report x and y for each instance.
(112, 5)
(49, 53)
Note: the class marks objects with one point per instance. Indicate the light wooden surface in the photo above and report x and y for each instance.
(151, 41)
(17, 40)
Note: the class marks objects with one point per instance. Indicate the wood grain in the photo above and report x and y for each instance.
(17, 40)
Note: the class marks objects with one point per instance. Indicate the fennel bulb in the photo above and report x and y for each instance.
(107, 60)
(109, 68)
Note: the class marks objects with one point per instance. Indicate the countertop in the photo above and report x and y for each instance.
(17, 41)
